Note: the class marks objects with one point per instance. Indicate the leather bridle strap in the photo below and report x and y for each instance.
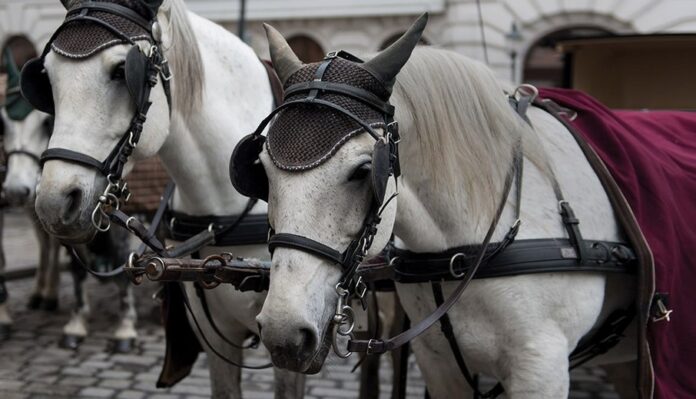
(305, 244)
(24, 152)
(376, 346)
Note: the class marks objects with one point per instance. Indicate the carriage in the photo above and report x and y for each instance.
(332, 189)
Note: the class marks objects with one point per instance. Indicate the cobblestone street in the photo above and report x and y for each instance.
(33, 366)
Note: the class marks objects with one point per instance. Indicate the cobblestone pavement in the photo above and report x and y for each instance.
(33, 366)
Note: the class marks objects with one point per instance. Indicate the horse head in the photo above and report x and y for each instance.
(96, 76)
(330, 182)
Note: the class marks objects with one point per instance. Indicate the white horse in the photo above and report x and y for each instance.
(457, 135)
(30, 137)
(24, 142)
(220, 90)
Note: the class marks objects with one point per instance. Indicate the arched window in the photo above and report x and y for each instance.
(544, 63)
(306, 48)
(391, 39)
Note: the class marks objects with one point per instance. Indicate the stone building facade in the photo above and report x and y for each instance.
(364, 26)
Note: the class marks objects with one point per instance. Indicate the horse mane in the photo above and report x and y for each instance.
(185, 60)
(465, 129)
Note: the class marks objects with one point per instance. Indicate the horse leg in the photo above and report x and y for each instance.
(35, 299)
(288, 384)
(537, 367)
(75, 330)
(52, 276)
(5, 319)
(225, 378)
(623, 376)
(125, 334)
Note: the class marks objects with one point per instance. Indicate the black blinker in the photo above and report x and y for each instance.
(36, 86)
(380, 170)
(136, 75)
(246, 171)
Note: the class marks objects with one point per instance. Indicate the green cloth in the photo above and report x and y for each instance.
(16, 106)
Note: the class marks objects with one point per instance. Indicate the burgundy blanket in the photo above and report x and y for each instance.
(652, 157)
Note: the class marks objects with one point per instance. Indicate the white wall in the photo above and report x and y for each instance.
(363, 25)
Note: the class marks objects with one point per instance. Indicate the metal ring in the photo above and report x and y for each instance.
(348, 319)
(128, 221)
(451, 265)
(342, 355)
(340, 290)
(99, 225)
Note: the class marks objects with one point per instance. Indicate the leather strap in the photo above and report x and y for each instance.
(520, 257)
(381, 346)
(448, 332)
(21, 151)
(304, 244)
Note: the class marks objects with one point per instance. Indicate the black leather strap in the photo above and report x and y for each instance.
(249, 230)
(112, 8)
(381, 346)
(521, 257)
(448, 332)
(344, 89)
(73, 156)
(21, 151)
(305, 244)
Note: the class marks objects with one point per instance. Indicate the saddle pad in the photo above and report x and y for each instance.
(652, 157)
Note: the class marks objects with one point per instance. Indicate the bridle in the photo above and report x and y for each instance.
(142, 70)
(385, 163)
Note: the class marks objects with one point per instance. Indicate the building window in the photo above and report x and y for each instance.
(22, 50)
(544, 63)
(306, 48)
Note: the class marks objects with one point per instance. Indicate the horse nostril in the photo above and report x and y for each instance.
(71, 209)
(308, 341)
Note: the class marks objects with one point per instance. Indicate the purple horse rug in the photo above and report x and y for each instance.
(651, 156)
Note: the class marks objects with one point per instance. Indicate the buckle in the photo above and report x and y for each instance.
(372, 346)
(330, 55)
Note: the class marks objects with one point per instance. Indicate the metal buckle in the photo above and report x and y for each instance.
(451, 265)
(371, 344)
(331, 54)
(526, 90)
(663, 312)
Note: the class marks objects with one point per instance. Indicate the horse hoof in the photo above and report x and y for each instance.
(123, 345)
(50, 304)
(71, 341)
(34, 302)
(5, 330)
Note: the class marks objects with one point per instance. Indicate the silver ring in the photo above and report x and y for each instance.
(451, 265)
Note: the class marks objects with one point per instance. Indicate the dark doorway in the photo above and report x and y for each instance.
(306, 48)
(543, 65)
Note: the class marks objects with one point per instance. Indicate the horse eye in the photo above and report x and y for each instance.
(361, 172)
(119, 72)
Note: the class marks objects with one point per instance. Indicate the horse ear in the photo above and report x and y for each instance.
(152, 5)
(387, 64)
(285, 62)
(68, 4)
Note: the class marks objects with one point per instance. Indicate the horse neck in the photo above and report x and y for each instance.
(431, 217)
(236, 96)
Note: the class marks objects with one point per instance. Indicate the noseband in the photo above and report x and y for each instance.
(142, 71)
